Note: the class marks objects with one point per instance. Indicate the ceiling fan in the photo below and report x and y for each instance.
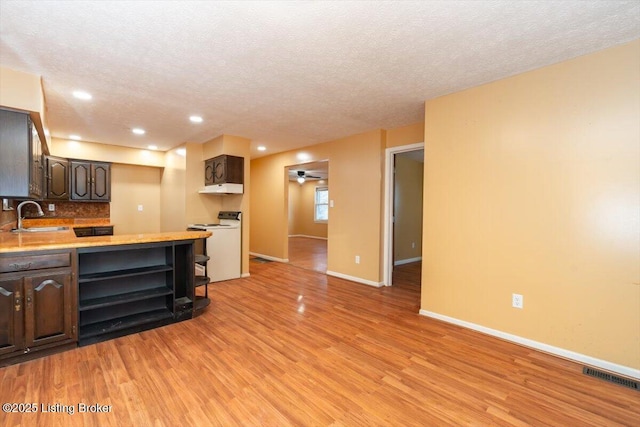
(302, 176)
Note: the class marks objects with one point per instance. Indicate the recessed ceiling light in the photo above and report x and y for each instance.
(195, 119)
(138, 131)
(261, 148)
(80, 94)
(152, 147)
(75, 137)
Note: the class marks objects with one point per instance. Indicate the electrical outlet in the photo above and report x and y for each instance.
(517, 300)
(357, 259)
(52, 207)
(140, 208)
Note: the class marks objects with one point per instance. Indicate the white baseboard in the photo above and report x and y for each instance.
(270, 258)
(407, 261)
(308, 237)
(243, 275)
(355, 279)
(557, 351)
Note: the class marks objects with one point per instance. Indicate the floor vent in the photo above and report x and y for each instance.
(611, 378)
(260, 260)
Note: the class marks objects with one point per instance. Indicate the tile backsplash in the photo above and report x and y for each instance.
(63, 209)
(7, 220)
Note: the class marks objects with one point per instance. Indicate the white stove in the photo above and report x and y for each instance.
(224, 247)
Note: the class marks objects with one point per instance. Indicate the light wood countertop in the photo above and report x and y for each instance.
(66, 239)
(67, 222)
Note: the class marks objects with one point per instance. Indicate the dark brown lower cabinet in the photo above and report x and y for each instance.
(56, 300)
(38, 305)
(103, 230)
(11, 316)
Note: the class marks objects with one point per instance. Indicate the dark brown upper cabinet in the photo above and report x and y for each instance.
(90, 181)
(57, 178)
(21, 168)
(224, 169)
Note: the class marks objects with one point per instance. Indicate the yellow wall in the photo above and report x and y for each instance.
(173, 207)
(532, 186)
(201, 208)
(23, 91)
(294, 193)
(405, 135)
(19, 90)
(106, 153)
(301, 210)
(355, 220)
(132, 186)
(407, 239)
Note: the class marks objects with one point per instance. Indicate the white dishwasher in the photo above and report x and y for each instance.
(224, 247)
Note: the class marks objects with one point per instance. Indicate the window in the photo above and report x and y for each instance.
(321, 211)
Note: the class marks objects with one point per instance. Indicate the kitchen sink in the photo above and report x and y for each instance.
(38, 229)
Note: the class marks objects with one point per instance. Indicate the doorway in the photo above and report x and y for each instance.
(308, 209)
(404, 171)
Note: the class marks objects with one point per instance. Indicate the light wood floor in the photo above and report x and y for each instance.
(309, 253)
(292, 347)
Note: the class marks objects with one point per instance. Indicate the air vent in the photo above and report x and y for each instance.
(611, 378)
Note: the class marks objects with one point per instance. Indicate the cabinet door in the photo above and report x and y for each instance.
(80, 180)
(11, 316)
(208, 172)
(48, 309)
(15, 155)
(234, 169)
(57, 178)
(101, 181)
(228, 169)
(37, 169)
(220, 170)
(103, 231)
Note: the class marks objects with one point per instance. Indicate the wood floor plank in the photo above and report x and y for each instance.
(309, 253)
(288, 346)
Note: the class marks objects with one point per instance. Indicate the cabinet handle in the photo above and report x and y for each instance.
(29, 297)
(18, 302)
(17, 266)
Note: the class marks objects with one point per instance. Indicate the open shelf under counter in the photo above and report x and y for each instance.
(106, 275)
(90, 304)
(130, 288)
(122, 323)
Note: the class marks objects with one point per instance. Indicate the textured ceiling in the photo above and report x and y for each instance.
(283, 74)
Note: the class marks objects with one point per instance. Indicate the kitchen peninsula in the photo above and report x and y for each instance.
(58, 291)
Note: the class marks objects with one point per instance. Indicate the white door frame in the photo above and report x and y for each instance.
(387, 259)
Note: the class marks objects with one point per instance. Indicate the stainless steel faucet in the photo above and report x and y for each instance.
(40, 213)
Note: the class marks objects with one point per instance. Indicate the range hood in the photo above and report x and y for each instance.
(222, 189)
